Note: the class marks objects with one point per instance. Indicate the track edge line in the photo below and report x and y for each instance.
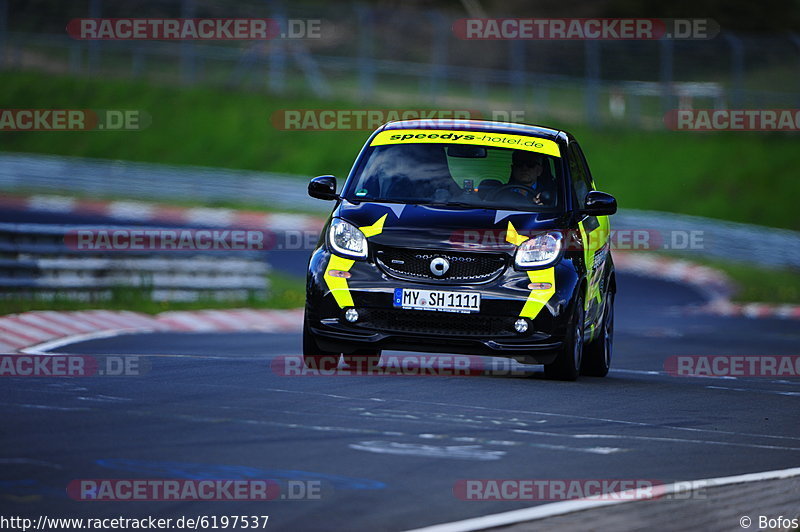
(543, 511)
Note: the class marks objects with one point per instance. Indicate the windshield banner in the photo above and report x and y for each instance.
(480, 138)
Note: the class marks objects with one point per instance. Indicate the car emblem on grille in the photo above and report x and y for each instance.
(439, 266)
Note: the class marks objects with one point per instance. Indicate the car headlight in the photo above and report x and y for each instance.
(347, 239)
(539, 250)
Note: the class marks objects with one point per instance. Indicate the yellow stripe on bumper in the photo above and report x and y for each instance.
(537, 299)
(338, 285)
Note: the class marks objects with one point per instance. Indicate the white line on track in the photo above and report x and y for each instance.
(46, 407)
(45, 347)
(567, 507)
(753, 379)
(652, 438)
(753, 390)
(29, 461)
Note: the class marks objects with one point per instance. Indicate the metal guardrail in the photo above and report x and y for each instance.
(124, 179)
(719, 239)
(35, 260)
(765, 246)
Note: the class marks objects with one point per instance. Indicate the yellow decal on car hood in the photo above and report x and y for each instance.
(479, 138)
(338, 285)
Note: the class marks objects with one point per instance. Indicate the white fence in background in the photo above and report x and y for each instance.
(36, 261)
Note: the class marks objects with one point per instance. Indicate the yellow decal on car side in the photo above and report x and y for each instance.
(593, 241)
(588, 259)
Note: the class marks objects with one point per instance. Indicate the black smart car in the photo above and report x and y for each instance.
(471, 237)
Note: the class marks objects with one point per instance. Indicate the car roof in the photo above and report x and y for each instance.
(487, 126)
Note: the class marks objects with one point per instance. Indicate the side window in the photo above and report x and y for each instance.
(581, 182)
(582, 161)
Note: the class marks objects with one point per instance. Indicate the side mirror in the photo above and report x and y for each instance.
(323, 187)
(600, 204)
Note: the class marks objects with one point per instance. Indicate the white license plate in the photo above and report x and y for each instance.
(437, 300)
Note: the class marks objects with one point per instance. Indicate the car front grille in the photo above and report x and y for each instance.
(436, 323)
(464, 267)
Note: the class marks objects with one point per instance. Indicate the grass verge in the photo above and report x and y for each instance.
(754, 284)
(286, 292)
(740, 176)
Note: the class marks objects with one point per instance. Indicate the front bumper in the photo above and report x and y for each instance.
(489, 332)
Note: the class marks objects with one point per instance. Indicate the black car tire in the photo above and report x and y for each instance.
(566, 366)
(597, 353)
(363, 359)
(314, 357)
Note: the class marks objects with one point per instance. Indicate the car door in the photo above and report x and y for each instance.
(594, 231)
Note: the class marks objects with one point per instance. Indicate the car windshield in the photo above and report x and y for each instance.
(458, 175)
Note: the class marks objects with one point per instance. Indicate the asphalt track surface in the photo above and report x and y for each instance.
(388, 451)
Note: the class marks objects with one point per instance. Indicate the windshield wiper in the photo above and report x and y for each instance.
(452, 204)
(381, 200)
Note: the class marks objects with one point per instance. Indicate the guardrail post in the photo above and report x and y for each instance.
(137, 61)
(95, 11)
(795, 38)
(634, 109)
(666, 56)
(314, 76)
(188, 59)
(592, 69)
(3, 33)
(517, 63)
(277, 53)
(438, 65)
(75, 52)
(366, 60)
(478, 88)
(737, 69)
(541, 100)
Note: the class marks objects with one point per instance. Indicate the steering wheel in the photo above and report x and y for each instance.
(523, 190)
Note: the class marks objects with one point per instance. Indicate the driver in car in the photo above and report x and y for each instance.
(528, 172)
